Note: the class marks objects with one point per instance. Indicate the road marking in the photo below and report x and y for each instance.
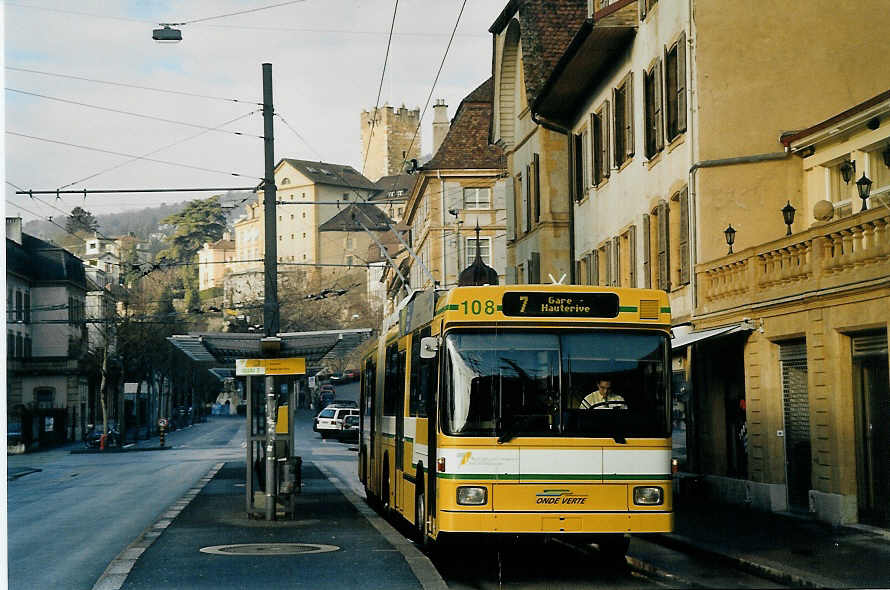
(117, 571)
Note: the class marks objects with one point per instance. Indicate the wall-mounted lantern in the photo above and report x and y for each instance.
(848, 168)
(788, 215)
(729, 234)
(863, 185)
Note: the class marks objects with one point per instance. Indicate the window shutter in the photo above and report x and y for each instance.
(605, 122)
(534, 268)
(595, 171)
(659, 102)
(526, 203)
(629, 115)
(607, 263)
(664, 279)
(593, 268)
(537, 182)
(647, 272)
(683, 250)
(523, 204)
(616, 262)
(578, 267)
(510, 200)
(573, 172)
(681, 83)
(632, 255)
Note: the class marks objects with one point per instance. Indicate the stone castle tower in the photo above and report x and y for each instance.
(389, 144)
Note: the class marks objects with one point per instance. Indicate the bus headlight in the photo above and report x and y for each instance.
(648, 496)
(472, 496)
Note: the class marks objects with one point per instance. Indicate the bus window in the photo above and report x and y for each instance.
(513, 383)
(422, 376)
(394, 380)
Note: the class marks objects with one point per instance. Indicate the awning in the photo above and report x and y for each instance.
(701, 335)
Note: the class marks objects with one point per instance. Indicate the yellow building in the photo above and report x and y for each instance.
(213, 260)
(529, 38)
(678, 133)
(462, 186)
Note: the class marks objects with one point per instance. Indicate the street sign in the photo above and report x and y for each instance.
(289, 366)
(286, 366)
(249, 367)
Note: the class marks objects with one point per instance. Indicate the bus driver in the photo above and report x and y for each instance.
(604, 396)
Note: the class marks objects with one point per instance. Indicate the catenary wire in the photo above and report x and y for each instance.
(374, 113)
(130, 113)
(56, 141)
(249, 10)
(169, 145)
(136, 86)
(435, 80)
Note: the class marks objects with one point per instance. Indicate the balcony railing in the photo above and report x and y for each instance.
(842, 254)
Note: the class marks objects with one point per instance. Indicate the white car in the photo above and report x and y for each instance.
(330, 420)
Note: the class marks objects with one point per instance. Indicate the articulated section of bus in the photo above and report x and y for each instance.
(545, 410)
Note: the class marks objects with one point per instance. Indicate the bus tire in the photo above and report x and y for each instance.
(420, 513)
(384, 487)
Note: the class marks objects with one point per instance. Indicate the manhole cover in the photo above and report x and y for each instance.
(269, 549)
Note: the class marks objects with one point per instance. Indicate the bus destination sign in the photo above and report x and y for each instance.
(575, 305)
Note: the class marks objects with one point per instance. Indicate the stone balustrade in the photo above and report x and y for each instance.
(841, 254)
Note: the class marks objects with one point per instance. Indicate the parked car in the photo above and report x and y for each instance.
(337, 378)
(350, 375)
(326, 398)
(94, 433)
(344, 403)
(330, 420)
(349, 431)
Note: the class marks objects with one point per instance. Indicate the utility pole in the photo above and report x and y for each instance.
(270, 300)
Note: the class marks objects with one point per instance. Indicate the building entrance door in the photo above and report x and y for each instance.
(795, 397)
(871, 386)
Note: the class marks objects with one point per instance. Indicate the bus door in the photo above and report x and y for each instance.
(369, 421)
(400, 433)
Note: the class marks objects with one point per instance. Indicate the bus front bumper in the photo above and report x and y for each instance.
(554, 522)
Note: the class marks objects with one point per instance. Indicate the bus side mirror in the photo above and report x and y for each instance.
(429, 347)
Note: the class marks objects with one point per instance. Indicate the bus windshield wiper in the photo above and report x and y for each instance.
(504, 434)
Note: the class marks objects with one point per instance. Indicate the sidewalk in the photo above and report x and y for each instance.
(791, 550)
(337, 547)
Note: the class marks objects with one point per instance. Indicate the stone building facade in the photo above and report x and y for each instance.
(390, 136)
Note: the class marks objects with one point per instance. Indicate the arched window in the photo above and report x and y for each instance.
(507, 90)
(285, 181)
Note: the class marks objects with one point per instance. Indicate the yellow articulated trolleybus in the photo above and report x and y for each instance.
(522, 410)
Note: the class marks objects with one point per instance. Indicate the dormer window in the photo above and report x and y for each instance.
(285, 181)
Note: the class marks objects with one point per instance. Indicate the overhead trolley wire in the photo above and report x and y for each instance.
(100, 150)
(380, 86)
(136, 86)
(130, 113)
(199, 20)
(169, 145)
(433, 87)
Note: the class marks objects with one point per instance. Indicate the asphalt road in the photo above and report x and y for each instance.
(70, 519)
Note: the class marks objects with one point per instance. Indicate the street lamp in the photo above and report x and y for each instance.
(455, 213)
(167, 34)
(788, 216)
(863, 185)
(847, 170)
(729, 234)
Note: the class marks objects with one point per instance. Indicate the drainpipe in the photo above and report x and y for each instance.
(553, 126)
(693, 219)
(444, 243)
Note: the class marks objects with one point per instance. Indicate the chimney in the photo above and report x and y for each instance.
(14, 229)
(440, 123)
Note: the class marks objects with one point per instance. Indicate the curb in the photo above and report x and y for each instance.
(18, 474)
(117, 571)
(421, 566)
(117, 450)
(652, 570)
(776, 572)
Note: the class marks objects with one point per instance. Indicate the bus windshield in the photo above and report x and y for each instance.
(560, 383)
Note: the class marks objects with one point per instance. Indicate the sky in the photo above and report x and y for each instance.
(327, 57)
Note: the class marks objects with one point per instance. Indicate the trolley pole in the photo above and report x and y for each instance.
(270, 301)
